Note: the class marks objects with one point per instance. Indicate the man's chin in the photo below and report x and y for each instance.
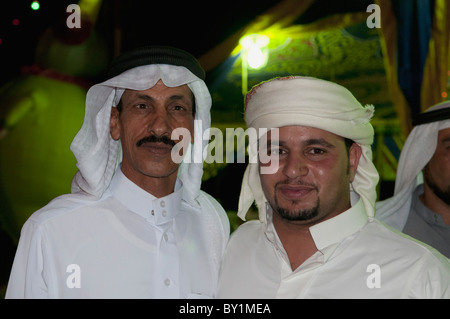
(157, 169)
(161, 173)
(298, 214)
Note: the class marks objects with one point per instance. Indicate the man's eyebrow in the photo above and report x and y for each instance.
(312, 141)
(178, 97)
(446, 140)
(172, 97)
(318, 141)
(145, 97)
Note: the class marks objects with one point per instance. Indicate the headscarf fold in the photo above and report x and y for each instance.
(312, 102)
(416, 153)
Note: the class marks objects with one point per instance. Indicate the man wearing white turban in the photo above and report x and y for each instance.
(136, 224)
(420, 206)
(316, 236)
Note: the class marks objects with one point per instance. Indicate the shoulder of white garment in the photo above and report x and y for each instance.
(60, 206)
(247, 233)
(212, 208)
(395, 243)
(428, 271)
(28, 267)
(68, 203)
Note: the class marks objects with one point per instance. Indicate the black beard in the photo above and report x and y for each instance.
(442, 194)
(297, 215)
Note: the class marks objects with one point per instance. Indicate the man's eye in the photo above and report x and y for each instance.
(179, 108)
(317, 151)
(275, 151)
(141, 106)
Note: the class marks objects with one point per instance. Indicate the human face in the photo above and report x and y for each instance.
(312, 180)
(437, 171)
(145, 126)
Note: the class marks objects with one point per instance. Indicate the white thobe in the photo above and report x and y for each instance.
(128, 244)
(357, 257)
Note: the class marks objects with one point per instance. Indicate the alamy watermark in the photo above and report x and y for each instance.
(374, 279)
(374, 19)
(74, 19)
(73, 280)
(265, 148)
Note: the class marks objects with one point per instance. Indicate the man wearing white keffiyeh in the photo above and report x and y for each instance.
(420, 206)
(136, 224)
(316, 236)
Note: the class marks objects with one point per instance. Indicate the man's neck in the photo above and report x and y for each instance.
(157, 186)
(296, 239)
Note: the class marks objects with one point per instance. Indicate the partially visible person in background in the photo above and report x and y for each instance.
(420, 206)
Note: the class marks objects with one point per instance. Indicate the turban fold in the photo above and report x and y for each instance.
(312, 102)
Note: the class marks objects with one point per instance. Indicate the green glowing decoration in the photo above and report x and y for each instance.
(40, 113)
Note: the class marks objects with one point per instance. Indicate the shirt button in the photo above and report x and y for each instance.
(153, 212)
(164, 213)
(163, 203)
(167, 282)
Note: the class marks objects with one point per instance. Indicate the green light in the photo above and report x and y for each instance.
(35, 5)
(255, 46)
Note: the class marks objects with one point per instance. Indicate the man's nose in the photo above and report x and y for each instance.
(295, 166)
(159, 123)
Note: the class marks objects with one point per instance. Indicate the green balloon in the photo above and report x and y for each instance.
(40, 118)
(40, 114)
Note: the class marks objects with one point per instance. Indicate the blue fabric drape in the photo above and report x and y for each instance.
(414, 20)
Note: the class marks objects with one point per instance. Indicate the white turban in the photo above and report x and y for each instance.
(98, 154)
(307, 101)
(416, 153)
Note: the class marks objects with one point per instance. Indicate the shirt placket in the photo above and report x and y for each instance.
(167, 268)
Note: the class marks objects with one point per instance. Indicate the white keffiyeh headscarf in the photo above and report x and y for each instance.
(98, 155)
(307, 101)
(416, 153)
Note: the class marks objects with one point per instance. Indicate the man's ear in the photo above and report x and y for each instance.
(114, 126)
(355, 153)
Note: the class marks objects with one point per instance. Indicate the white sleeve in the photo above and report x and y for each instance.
(432, 280)
(26, 278)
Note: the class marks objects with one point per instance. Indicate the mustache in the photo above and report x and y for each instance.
(156, 139)
(296, 182)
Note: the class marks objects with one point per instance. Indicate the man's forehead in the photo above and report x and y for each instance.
(300, 131)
